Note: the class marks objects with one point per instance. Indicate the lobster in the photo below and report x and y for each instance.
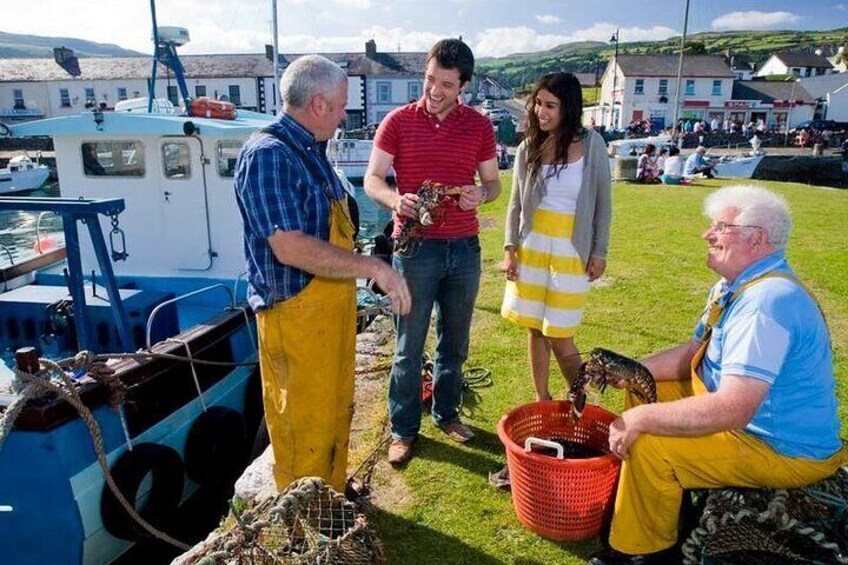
(605, 366)
(431, 195)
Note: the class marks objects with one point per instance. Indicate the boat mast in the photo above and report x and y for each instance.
(680, 68)
(151, 83)
(275, 62)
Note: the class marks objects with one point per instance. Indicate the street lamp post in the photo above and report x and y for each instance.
(614, 39)
(789, 113)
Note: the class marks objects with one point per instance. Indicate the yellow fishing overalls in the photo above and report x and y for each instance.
(307, 356)
(659, 468)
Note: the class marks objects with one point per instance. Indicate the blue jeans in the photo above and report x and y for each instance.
(444, 272)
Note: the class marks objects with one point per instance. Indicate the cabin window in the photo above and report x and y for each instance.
(639, 88)
(18, 95)
(663, 89)
(384, 92)
(117, 158)
(199, 90)
(122, 93)
(176, 160)
(65, 98)
(716, 88)
(235, 94)
(414, 90)
(227, 153)
(690, 88)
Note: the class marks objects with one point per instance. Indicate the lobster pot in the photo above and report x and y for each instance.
(560, 499)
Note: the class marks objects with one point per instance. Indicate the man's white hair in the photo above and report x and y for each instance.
(755, 206)
(307, 77)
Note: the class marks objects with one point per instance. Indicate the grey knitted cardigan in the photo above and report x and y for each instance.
(594, 203)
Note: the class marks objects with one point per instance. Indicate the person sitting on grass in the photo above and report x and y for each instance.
(673, 172)
(697, 164)
(749, 401)
(646, 167)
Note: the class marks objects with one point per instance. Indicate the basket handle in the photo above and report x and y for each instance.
(528, 444)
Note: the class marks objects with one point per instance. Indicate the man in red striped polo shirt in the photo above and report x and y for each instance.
(437, 138)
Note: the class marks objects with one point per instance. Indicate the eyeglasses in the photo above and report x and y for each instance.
(722, 227)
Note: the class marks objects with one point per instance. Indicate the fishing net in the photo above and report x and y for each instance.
(309, 523)
(761, 527)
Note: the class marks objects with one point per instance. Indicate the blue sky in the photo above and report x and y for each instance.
(491, 27)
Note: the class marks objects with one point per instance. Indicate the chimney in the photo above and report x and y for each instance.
(66, 59)
(371, 49)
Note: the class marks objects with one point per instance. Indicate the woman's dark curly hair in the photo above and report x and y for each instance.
(566, 88)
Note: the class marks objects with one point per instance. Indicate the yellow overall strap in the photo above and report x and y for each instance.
(716, 311)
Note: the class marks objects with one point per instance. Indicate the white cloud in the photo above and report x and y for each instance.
(497, 42)
(547, 19)
(754, 20)
(842, 7)
(355, 4)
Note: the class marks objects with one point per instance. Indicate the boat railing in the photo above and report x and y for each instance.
(183, 297)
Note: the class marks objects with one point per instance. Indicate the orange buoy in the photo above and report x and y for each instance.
(44, 244)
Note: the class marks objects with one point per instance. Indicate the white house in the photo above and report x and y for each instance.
(639, 87)
(799, 64)
(773, 102)
(831, 94)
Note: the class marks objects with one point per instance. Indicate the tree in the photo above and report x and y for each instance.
(695, 48)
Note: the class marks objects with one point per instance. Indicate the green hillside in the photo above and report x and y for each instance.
(519, 69)
(18, 46)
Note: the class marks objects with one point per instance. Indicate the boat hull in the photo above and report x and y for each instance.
(17, 181)
(49, 472)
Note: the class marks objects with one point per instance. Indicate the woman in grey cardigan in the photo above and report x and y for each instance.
(557, 226)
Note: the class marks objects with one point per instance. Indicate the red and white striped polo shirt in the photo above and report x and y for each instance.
(447, 152)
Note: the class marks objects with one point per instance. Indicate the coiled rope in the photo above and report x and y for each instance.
(29, 386)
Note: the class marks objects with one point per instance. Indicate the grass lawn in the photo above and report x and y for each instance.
(440, 509)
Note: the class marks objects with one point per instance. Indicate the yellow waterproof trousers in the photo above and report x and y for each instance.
(659, 468)
(307, 356)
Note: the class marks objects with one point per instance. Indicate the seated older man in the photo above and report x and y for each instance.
(698, 164)
(749, 401)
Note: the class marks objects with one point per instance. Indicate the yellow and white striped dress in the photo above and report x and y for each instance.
(552, 287)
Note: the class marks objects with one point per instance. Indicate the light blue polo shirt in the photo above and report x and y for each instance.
(774, 332)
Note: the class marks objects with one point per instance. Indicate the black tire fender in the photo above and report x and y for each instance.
(217, 447)
(165, 467)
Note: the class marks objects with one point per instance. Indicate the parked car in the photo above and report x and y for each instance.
(496, 114)
(820, 125)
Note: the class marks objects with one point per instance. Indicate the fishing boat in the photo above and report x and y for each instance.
(148, 289)
(22, 173)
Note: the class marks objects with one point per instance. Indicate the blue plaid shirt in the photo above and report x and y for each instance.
(280, 186)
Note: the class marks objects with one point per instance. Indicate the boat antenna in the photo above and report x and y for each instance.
(151, 84)
(679, 68)
(165, 52)
(275, 63)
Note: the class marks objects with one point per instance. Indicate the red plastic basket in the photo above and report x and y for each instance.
(560, 499)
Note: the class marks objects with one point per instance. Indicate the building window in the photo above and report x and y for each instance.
(354, 120)
(65, 98)
(384, 92)
(18, 95)
(796, 71)
(414, 90)
(89, 95)
(640, 86)
(663, 89)
(113, 159)
(716, 88)
(172, 95)
(227, 153)
(235, 94)
(690, 88)
(176, 160)
(199, 90)
(122, 93)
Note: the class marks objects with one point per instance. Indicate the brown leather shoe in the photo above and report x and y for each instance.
(458, 431)
(400, 451)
